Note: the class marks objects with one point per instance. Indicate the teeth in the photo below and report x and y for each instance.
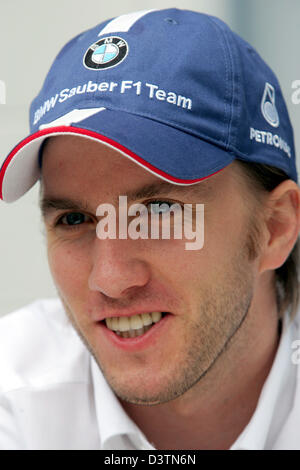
(129, 327)
(115, 323)
(147, 320)
(156, 316)
(136, 322)
(139, 332)
(124, 324)
(132, 333)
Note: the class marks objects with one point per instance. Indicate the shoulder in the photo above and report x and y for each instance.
(37, 342)
(44, 307)
(30, 323)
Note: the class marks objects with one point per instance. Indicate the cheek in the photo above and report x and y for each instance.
(70, 268)
(224, 235)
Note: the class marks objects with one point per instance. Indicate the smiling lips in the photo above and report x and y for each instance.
(136, 325)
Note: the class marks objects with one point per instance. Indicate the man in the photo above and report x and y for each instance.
(152, 345)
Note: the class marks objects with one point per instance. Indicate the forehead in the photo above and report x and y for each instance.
(73, 164)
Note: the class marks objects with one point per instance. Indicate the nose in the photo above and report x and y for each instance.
(117, 268)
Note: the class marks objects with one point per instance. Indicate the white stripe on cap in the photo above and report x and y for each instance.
(76, 115)
(123, 22)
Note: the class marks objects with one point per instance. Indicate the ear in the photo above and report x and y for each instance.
(282, 225)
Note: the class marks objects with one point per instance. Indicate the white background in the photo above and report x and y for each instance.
(31, 34)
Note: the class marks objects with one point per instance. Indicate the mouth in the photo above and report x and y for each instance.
(133, 326)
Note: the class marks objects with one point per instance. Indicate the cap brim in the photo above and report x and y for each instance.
(167, 152)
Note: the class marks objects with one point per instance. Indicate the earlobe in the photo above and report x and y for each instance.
(283, 224)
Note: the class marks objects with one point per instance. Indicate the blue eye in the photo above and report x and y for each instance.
(159, 207)
(73, 218)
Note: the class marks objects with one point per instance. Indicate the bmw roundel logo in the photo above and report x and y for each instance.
(105, 53)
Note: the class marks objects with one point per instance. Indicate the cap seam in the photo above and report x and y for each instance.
(228, 39)
(227, 65)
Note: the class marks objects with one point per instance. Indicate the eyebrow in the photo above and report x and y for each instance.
(202, 190)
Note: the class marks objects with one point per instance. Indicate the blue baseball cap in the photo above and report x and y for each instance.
(174, 90)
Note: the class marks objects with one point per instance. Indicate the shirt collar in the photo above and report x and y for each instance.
(256, 434)
(116, 428)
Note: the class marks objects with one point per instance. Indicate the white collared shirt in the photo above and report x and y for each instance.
(54, 396)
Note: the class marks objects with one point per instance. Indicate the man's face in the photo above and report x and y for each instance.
(206, 293)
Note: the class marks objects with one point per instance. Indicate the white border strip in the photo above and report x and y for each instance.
(123, 22)
(74, 116)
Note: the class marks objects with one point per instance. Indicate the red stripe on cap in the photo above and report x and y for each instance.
(95, 135)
